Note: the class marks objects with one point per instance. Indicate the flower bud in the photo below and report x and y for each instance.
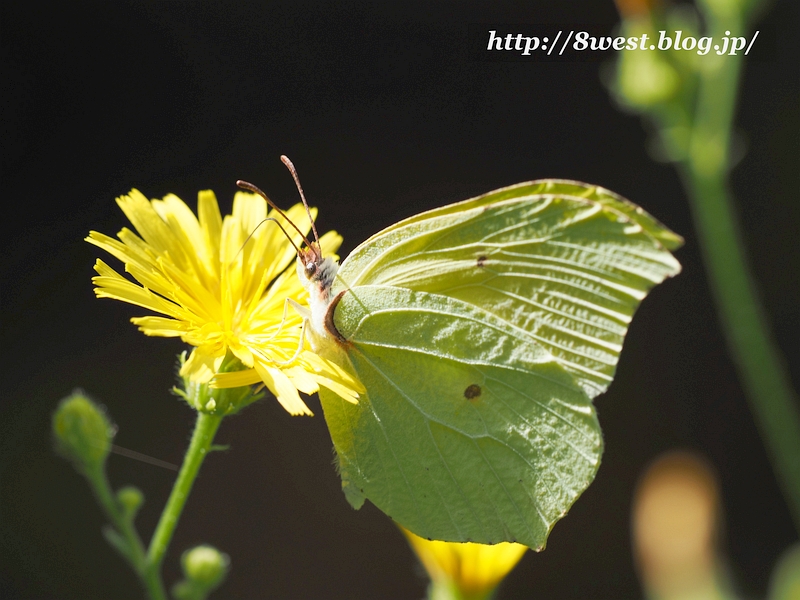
(645, 79)
(205, 565)
(130, 499)
(82, 432)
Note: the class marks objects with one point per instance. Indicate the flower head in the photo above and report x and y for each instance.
(222, 286)
(474, 570)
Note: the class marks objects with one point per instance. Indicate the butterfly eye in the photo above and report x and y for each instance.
(311, 268)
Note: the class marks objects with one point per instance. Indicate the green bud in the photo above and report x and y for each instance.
(205, 565)
(645, 79)
(82, 431)
(130, 498)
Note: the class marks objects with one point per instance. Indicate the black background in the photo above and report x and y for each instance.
(384, 116)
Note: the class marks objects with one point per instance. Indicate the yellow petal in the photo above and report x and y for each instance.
(302, 380)
(151, 226)
(333, 371)
(211, 225)
(201, 366)
(181, 220)
(249, 209)
(345, 392)
(280, 385)
(235, 379)
(473, 568)
(160, 327)
(243, 353)
(128, 254)
(110, 284)
(330, 243)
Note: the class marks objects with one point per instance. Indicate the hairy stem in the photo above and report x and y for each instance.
(135, 553)
(202, 438)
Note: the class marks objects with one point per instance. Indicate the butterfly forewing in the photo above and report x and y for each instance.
(569, 272)
(561, 188)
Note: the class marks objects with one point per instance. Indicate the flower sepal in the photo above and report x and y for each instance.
(217, 401)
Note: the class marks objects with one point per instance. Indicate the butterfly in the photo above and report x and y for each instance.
(481, 332)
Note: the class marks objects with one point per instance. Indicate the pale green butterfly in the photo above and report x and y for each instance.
(481, 331)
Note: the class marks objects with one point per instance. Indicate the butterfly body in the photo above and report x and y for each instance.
(481, 331)
(317, 275)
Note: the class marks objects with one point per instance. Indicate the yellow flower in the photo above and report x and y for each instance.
(472, 571)
(222, 286)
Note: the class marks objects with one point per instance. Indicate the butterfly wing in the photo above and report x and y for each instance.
(481, 331)
(566, 262)
(558, 187)
(468, 431)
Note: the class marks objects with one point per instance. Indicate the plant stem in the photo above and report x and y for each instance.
(448, 590)
(204, 431)
(763, 374)
(136, 553)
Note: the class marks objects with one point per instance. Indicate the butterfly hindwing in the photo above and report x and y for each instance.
(468, 430)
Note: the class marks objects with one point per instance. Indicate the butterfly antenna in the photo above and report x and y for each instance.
(249, 186)
(274, 220)
(285, 160)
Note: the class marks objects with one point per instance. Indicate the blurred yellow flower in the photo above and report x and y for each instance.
(472, 571)
(675, 521)
(222, 286)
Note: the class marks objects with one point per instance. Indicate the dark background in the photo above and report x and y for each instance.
(384, 116)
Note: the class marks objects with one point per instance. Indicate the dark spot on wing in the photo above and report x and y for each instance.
(472, 391)
(481, 260)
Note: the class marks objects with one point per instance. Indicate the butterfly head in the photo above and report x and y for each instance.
(316, 273)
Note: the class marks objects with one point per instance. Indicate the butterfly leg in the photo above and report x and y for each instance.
(304, 313)
(299, 346)
(301, 310)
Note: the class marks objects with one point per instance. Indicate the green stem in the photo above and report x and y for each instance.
(761, 368)
(135, 549)
(204, 431)
(448, 590)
